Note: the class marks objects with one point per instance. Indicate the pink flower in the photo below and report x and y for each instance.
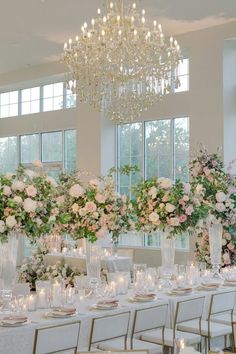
(31, 191)
(183, 218)
(230, 246)
(174, 221)
(90, 207)
(182, 202)
(38, 163)
(76, 191)
(60, 200)
(29, 205)
(101, 233)
(18, 186)
(100, 198)
(189, 210)
(7, 190)
(226, 258)
(165, 198)
(75, 208)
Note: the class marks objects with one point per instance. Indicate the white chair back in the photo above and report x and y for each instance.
(109, 327)
(150, 318)
(188, 310)
(49, 340)
(222, 302)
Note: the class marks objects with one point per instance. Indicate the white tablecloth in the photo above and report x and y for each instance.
(111, 264)
(20, 340)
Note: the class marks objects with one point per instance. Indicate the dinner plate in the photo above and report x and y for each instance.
(104, 307)
(19, 324)
(59, 315)
(142, 299)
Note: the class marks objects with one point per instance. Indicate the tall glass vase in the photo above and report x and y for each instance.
(167, 251)
(8, 258)
(167, 258)
(93, 264)
(215, 242)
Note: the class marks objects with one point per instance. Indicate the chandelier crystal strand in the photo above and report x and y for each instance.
(119, 64)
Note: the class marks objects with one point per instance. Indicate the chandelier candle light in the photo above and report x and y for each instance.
(121, 65)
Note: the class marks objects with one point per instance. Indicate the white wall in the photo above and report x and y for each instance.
(205, 104)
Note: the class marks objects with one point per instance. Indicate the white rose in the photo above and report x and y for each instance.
(174, 221)
(17, 199)
(154, 217)
(82, 212)
(199, 189)
(2, 227)
(94, 182)
(76, 191)
(18, 186)
(7, 191)
(165, 183)
(220, 207)
(11, 221)
(30, 173)
(52, 181)
(170, 208)
(29, 205)
(220, 197)
(152, 191)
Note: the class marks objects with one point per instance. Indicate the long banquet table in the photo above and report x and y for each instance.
(20, 340)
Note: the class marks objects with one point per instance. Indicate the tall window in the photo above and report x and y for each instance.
(159, 148)
(53, 97)
(57, 151)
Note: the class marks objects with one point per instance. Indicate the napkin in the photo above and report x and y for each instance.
(64, 311)
(14, 319)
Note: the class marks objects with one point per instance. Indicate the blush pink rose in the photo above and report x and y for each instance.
(31, 191)
(182, 218)
(189, 210)
(90, 207)
(100, 198)
(230, 246)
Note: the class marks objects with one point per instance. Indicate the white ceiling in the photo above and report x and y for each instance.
(32, 32)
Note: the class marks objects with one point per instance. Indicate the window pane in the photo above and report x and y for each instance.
(158, 149)
(181, 132)
(4, 111)
(25, 107)
(70, 150)
(131, 239)
(47, 91)
(4, 98)
(8, 154)
(58, 89)
(58, 102)
(13, 110)
(130, 152)
(35, 93)
(29, 148)
(13, 97)
(184, 67)
(184, 84)
(35, 106)
(70, 99)
(48, 104)
(52, 147)
(25, 95)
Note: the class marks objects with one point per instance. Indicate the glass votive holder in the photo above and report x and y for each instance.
(43, 294)
(81, 294)
(122, 283)
(70, 295)
(31, 302)
(57, 292)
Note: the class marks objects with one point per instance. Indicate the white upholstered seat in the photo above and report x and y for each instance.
(117, 344)
(156, 337)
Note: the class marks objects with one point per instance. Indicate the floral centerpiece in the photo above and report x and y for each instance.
(162, 205)
(34, 268)
(91, 210)
(220, 194)
(26, 203)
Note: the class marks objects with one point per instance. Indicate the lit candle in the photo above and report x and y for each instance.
(42, 299)
(56, 294)
(31, 302)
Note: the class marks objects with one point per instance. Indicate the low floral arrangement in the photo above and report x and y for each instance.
(220, 194)
(93, 209)
(34, 268)
(27, 203)
(162, 205)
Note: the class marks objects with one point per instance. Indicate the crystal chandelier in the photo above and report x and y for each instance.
(119, 64)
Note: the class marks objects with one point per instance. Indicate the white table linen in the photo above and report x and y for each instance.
(20, 340)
